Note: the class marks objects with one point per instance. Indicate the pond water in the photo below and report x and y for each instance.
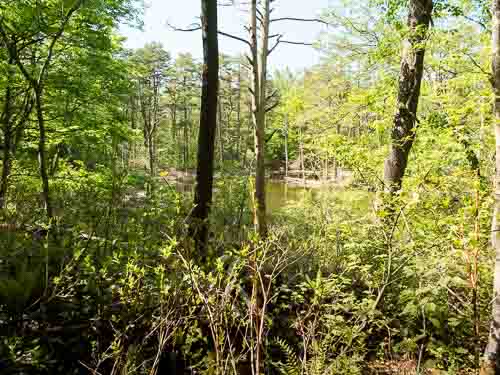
(280, 194)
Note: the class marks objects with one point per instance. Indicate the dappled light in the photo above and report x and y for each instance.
(249, 187)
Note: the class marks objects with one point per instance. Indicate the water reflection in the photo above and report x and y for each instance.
(280, 194)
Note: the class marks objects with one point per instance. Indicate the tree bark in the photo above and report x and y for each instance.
(259, 84)
(42, 157)
(491, 360)
(208, 127)
(410, 79)
(7, 134)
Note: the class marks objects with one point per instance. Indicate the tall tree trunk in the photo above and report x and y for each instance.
(412, 67)
(152, 153)
(7, 134)
(491, 361)
(42, 157)
(301, 150)
(259, 84)
(185, 131)
(174, 131)
(133, 124)
(238, 116)
(208, 127)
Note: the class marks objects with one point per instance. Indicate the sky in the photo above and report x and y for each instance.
(182, 13)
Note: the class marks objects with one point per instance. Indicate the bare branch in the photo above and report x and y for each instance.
(278, 40)
(192, 27)
(235, 38)
(297, 43)
(317, 20)
(197, 27)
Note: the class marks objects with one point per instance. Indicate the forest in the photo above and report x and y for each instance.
(162, 213)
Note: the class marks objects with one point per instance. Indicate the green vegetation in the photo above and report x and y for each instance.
(342, 266)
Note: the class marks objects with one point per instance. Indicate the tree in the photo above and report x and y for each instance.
(208, 126)
(36, 79)
(491, 361)
(259, 99)
(410, 79)
(35, 33)
(17, 107)
(152, 63)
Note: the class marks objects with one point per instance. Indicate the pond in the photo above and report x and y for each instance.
(280, 194)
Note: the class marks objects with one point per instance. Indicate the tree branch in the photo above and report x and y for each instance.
(317, 20)
(278, 40)
(235, 38)
(477, 65)
(196, 27)
(59, 33)
(297, 43)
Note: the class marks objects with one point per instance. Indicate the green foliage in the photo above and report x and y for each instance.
(114, 285)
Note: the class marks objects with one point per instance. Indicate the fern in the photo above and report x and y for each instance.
(292, 364)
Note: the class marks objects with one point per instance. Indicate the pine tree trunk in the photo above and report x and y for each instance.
(259, 84)
(410, 79)
(208, 127)
(491, 361)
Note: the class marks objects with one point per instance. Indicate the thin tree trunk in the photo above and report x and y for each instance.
(208, 127)
(412, 67)
(491, 360)
(7, 133)
(6, 167)
(174, 132)
(42, 158)
(151, 151)
(133, 124)
(185, 131)
(238, 116)
(259, 65)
